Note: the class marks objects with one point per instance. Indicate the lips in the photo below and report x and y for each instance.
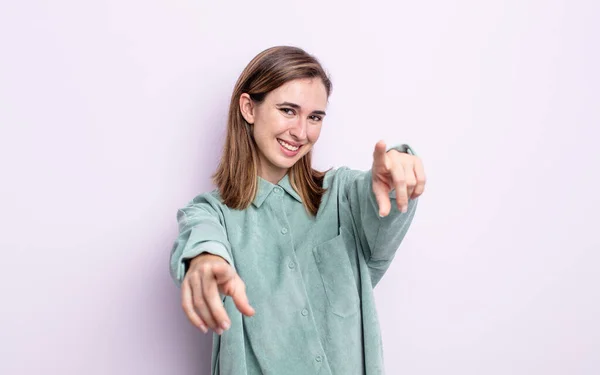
(290, 146)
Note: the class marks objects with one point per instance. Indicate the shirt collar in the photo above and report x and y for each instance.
(265, 188)
(287, 186)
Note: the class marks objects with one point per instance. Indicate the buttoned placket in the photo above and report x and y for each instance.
(290, 256)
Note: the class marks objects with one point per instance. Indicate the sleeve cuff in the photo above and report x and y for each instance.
(404, 148)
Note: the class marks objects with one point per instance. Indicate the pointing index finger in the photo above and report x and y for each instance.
(379, 155)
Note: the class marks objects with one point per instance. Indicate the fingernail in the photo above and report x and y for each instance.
(219, 331)
(203, 329)
(225, 325)
(404, 209)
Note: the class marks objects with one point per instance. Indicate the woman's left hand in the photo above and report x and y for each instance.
(396, 170)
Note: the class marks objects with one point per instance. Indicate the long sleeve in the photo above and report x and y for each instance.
(200, 231)
(379, 237)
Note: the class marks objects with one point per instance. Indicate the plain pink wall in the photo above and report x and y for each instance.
(112, 116)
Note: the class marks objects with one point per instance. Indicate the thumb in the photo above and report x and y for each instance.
(382, 196)
(232, 285)
(240, 298)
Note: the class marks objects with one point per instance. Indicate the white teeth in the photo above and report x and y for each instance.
(287, 145)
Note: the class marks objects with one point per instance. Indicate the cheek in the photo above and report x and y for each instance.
(264, 129)
(273, 125)
(313, 133)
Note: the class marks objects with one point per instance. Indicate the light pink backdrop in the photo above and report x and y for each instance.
(112, 116)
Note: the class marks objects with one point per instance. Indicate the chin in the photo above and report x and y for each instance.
(285, 164)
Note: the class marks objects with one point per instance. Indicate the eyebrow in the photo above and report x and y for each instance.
(296, 106)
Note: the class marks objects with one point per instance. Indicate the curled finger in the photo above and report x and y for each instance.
(188, 307)
(399, 181)
(210, 289)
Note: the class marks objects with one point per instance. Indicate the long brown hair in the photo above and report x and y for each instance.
(236, 176)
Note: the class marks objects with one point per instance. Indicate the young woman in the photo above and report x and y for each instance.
(281, 260)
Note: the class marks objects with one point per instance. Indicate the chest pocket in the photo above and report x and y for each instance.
(337, 276)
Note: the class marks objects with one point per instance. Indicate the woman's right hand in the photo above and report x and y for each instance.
(207, 276)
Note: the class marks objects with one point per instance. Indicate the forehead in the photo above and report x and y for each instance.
(306, 92)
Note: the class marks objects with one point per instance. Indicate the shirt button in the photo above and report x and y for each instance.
(284, 230)
(278, 190)
(291, 265)
(318, 358)
(305, 312)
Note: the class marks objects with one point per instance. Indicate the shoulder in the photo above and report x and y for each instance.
(342, 176)
(210, 197)
(205, 203)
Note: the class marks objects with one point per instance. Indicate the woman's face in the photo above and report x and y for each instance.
(286, 124)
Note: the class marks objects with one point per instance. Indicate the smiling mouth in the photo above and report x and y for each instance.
(288, 146)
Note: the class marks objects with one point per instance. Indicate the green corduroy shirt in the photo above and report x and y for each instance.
(310, 279)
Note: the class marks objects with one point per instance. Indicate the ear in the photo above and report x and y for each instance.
(247, 108)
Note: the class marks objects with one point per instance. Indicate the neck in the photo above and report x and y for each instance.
(272, 175)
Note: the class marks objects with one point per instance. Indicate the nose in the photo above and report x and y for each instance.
(298, 131)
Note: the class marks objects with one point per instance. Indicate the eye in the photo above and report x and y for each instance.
(316, 118)
(288, 111)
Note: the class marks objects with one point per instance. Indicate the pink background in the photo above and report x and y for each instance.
(112, 116)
